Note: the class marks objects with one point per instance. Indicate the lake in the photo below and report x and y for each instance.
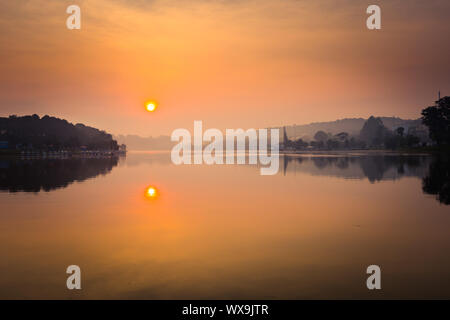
(140, 227)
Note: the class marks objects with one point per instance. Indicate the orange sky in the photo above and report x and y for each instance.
(229, 63)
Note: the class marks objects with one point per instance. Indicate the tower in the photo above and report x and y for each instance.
(285, 137)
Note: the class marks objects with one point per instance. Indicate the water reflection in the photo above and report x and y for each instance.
(437, 181)
(433, 170)
(50, 174)
(226, 232)
(37, 175)
(373, 167)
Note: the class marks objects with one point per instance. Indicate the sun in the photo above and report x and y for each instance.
(151, 192)
(150, 106)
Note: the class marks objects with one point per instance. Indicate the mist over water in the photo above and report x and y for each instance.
(225, 231)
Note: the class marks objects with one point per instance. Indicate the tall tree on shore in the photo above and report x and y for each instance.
(320, 136)
(374, 132)
(437, 119)
(400, 131)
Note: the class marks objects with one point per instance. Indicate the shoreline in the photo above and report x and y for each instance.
(59, 155)
(356, 152)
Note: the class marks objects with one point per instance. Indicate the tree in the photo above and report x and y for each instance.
(400, 131)
(392, 142)
(437, 119)
(342, 136)
(320, 136)
(374, 132)
(412, 141)
(332, 144)
(51, 133)
(300, 144)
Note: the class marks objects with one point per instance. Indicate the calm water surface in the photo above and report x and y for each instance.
(225, 232)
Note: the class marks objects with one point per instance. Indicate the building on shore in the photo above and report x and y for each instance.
(123, 148)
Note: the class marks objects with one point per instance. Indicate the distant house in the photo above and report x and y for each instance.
(4, 144)
(123, 148)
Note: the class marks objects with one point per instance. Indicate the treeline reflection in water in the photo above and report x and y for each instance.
(433, 170)
(19, 175)
(35, 175)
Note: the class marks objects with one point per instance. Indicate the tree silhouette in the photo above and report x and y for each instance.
(374, 132)
(49, 133)
(400, 131)
(320, 136)
(437, 119)
(437, 182)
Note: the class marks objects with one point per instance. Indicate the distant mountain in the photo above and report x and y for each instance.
(350, 125)
(135, 142)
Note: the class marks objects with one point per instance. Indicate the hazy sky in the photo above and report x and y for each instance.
(232, 64)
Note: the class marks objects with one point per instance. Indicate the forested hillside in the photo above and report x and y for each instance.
(52, 133)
